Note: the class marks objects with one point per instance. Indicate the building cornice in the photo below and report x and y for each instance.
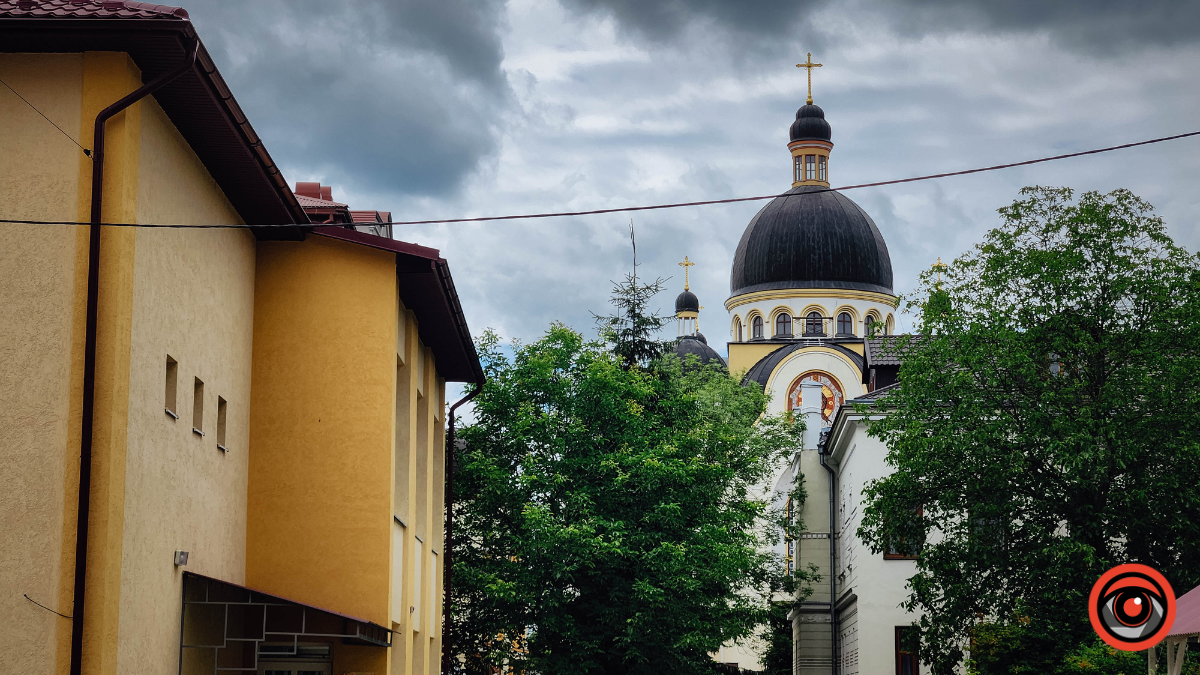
(789, 293)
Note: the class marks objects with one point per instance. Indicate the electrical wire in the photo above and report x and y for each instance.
(45, 607)
(64, 133)
(625, 209)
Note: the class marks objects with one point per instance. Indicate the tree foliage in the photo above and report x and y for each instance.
(609, 520)
(1045, 429)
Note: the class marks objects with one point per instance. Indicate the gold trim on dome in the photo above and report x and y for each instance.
(788, 293)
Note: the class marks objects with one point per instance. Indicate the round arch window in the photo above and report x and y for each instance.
(845, 324)
(756, 328)
(832, 396)
(783, 325)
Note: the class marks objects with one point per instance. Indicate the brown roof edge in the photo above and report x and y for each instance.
(200, 104)
(443, 326)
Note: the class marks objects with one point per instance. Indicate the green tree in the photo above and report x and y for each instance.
(631, 331)
(1045, 429)
(609, 520)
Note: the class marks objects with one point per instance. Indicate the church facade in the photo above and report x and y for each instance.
(811, 305)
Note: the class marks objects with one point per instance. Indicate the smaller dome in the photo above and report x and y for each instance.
(700, 336)
(687, 302)
(810, 125)
(695, 344)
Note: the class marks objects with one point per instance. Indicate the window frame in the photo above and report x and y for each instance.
(903, 652)
(756, 327)
(814, 324)
(822, 170)
(848, 323)
(784, 319)
(810, 167)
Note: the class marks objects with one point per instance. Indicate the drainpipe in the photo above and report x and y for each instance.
(832, 565)
(447, 547)
(89, 349)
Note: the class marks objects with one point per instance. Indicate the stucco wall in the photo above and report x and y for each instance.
(320, 493)
(39, 179)
(193, 299)
(879, 584)
(825, 359)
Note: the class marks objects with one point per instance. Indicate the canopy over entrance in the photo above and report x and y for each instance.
(224, 626)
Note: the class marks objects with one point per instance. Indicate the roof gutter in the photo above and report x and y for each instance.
(448, 545)
(89, 353)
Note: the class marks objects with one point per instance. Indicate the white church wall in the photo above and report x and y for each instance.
(800, 305)
(878, 583)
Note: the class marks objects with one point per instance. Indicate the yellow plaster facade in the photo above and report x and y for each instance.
(311, 375)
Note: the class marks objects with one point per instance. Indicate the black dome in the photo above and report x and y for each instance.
(687, 302)
(700, 336)
(811, 237)
(689, 344)
(810, 125)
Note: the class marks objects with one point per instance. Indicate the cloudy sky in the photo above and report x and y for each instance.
(457, 108)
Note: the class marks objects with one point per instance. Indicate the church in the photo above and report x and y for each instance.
(810, 309)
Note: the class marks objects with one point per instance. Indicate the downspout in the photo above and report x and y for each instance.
(833, 632)
(89, 348)
(448, 545)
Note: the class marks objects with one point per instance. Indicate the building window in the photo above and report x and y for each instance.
(756, 330)
(172, 387)
(869, 325)
(198, 407)
(798, 168)
(845, 324)
(813, 325)
(221, 405)
(821, 162)
(906, 650)
(810, 162)
(902, 547)
(783, 325)
(737, 329)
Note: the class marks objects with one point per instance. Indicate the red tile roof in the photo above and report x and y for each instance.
(371, 216)
(312, 202)
(115, 9)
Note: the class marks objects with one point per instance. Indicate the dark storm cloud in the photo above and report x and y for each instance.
(401, 97)
(1094, 26)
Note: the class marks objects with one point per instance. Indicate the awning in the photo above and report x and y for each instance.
(224, 625)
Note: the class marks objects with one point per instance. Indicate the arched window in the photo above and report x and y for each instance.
(756, 330)
(813, 324)
(783, 325)
(737, 329)
(845, 324)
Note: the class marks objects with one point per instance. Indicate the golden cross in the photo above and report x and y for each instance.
(810, 65)
(685, 265)
(939, 266)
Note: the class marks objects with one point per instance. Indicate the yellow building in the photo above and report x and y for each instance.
(267, 402)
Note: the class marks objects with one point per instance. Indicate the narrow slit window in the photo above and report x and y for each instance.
(198, 407)
(822, 160)
(798, 168)
(221, 405)
(172, 387)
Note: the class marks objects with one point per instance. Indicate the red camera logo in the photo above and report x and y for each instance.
(1132, 607)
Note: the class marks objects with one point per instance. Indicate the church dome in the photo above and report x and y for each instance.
(811, 237)
(687, 302)
(810, 125)
(695, 344)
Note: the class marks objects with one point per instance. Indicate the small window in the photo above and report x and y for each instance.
(198, 407)
(810, 162)
(172, 387)
(906, 650)
(821, 162)
(845, 324)
(221, 405)
(756, 331)
(783, 325)
(869, 325)
(798, 168)
(901, 547)
(813, 324)
(737, 329)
